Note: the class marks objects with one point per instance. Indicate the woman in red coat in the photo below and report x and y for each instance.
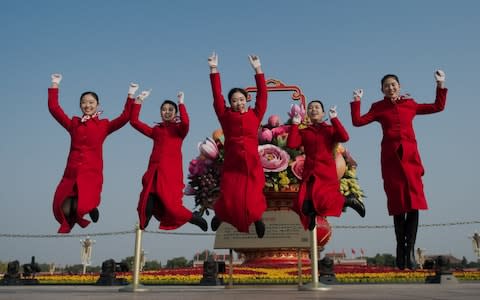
(163, 181)
(79, 190)
(319, 192)
(402, 168)
(241, 200)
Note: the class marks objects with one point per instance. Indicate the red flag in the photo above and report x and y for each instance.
(353, 251)
(361, 251)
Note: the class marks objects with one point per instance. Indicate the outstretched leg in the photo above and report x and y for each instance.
(399, 223)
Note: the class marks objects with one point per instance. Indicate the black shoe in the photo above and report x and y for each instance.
(312, 222)
(94, 214)
(199, 221)
(260, 228)
(215, 223)
(357, 205)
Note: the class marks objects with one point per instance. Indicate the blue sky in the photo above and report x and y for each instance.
(328, 48)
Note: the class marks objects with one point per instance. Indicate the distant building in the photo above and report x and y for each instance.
(341, 259)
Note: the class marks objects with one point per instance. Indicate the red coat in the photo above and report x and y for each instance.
(402, 178)
(164, 176)
(241, 200)
(319, 179)
(83, 176)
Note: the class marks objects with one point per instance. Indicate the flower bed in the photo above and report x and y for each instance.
(250, 275)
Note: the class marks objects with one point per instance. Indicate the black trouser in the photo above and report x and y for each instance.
(406, 234)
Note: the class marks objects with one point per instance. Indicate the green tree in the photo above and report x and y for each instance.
(74, 269)
(178, 262)
(129, 260)
(152, 265)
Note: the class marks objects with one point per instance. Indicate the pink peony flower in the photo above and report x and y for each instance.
(297, 166)
(208, 148)
(296, 109)
(273, 158)
(265, 135)
(281, 130)
(274, 121)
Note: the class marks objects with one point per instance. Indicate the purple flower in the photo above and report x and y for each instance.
(273, 158)
(198, 166)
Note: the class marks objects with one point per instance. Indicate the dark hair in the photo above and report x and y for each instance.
(389, 76)
(235, 90)
(94, 95)
(169, 102)
(318, 101)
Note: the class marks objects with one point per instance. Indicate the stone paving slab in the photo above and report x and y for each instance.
(467, 291)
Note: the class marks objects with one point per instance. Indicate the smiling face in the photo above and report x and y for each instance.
(88, 104)
(168, 112)
(315, 112)
(391, 87)
(238, 102)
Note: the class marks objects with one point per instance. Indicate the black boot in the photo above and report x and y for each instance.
(260, 228)
(215, 223)
(309, 210)
(94, 215)
(149, 209)
(199, 221)
(399, 223)
(411, 236)
(357, 205)
(307, 207)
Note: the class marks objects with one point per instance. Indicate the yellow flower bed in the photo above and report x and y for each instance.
(250, 275)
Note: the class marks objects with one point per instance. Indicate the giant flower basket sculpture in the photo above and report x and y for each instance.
(282, 166)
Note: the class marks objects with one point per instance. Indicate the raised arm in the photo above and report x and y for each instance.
(218, 99)
(261, 100)
(339, 134)
(124, 117)
(184, 120)
(440, 97)
(357, 119)
(134, 120)
(53, 105)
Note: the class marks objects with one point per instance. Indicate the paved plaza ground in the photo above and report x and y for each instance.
(354, 291)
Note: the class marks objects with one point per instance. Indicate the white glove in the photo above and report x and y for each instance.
(358, 94)
(213, 60)
(56, 78)
(132, 89)
(332, 112)
(297, 119)
(180, 97)
(143, 95)
(254, 61)
(439, 76)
